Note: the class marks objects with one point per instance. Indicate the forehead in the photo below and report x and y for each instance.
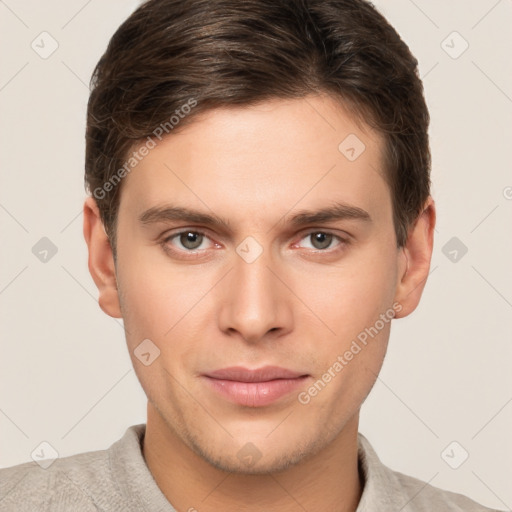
(264, 158)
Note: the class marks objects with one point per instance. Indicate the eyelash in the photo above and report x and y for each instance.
(196, 253)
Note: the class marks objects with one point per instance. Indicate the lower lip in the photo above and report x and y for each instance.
(255, 394)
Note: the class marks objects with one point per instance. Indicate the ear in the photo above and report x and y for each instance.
(415, 264)
(101, 259)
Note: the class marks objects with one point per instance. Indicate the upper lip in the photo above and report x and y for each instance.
(263, 374)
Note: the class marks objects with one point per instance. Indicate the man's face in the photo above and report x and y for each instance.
(259, 290)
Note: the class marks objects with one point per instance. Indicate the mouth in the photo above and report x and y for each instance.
(254, 388)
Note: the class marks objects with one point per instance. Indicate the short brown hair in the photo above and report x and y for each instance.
(221, 53)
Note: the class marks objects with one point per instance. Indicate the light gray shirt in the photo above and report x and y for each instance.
(118, 480)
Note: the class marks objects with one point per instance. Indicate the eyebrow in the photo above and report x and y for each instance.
(335, 212)
(338, 211)
(172, 213)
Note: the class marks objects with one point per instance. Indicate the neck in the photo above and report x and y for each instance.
(328, 480)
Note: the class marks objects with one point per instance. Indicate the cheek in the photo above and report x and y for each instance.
(351, 297)
(350, 300)
(167, 307)
(147, 303)
(358, 307)
(154, 308)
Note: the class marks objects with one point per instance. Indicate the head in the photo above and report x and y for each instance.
(296, 133)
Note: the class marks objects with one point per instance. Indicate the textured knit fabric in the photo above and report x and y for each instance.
(118, 480)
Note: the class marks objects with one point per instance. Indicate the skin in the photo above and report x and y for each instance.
(299, 305)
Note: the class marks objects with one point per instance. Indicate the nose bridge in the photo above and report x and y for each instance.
(253, 299)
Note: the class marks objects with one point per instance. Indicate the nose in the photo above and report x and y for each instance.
(254, 302)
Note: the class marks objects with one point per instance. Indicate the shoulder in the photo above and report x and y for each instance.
(69, 483)
(388, 490)
(422, 497)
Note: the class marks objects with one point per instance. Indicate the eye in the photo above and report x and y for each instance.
(320, 240)
(189, 240)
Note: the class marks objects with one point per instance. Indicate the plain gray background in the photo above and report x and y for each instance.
(65, 374)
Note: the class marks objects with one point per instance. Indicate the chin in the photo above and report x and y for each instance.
(249, 459)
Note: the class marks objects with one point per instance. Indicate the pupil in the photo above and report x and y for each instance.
(322, 240)
(191, 240)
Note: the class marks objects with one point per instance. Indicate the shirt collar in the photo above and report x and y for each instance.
(381, 490)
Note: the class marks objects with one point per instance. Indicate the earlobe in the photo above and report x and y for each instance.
(416, 255)
(101, 259)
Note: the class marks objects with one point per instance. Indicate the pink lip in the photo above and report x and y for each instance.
(254, 388)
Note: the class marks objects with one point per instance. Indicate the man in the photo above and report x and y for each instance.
(259, 214)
